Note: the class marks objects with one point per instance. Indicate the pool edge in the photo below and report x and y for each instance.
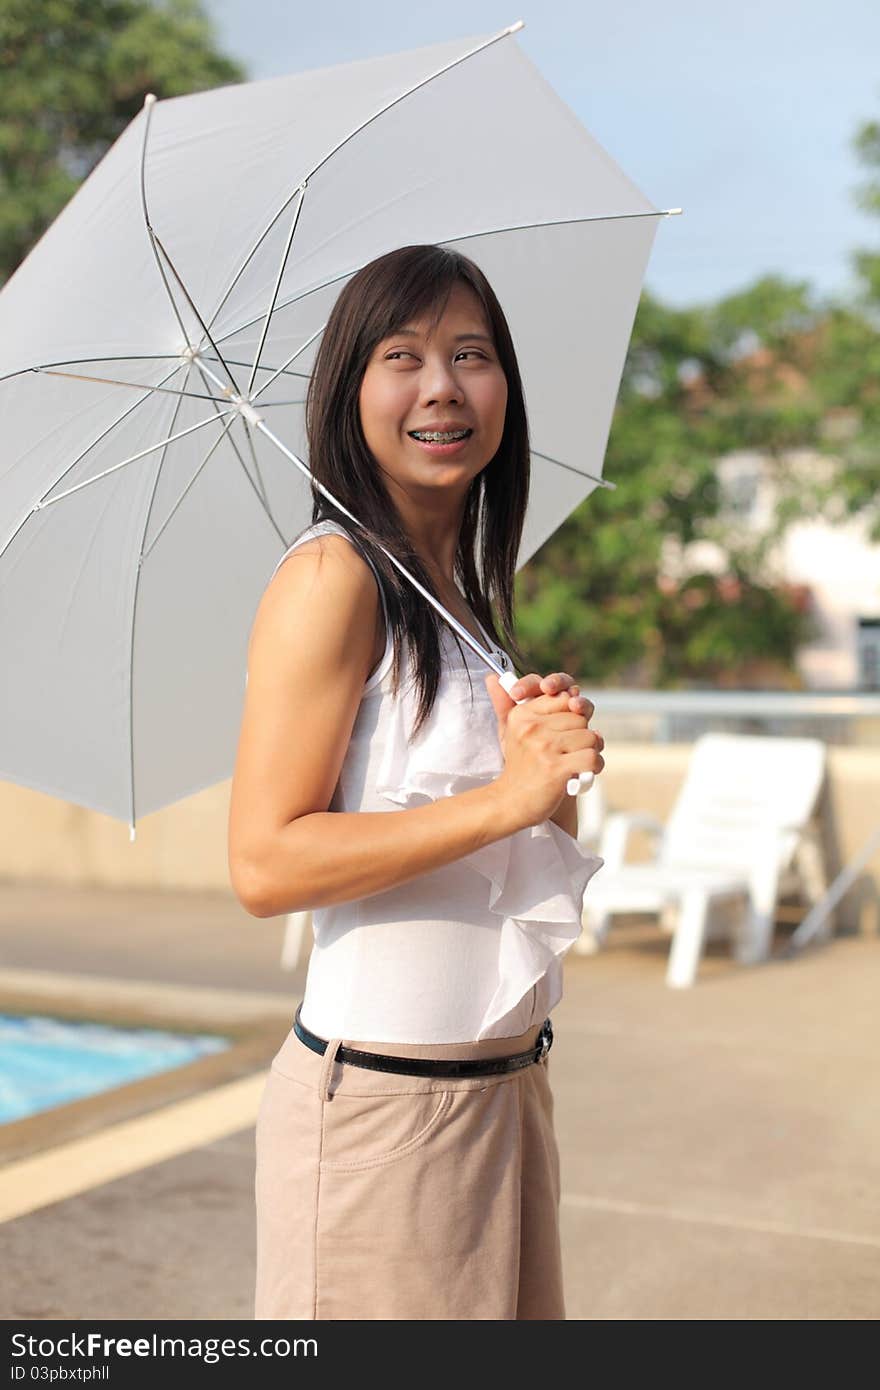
(255, 1024)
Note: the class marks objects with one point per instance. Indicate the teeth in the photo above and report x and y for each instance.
(435, 437)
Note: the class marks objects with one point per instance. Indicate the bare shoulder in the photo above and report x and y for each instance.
(332, 555)
(323, 591)
(336, 550)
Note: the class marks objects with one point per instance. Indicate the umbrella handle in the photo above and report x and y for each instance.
(574, 785)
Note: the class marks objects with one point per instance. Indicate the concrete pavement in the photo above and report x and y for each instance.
(719, 1145)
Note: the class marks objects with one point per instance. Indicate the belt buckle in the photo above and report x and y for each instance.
(546, 1038)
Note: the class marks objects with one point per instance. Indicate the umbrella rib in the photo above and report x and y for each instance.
(235, 362)
(487, 43)
(79, 361)
(149, 103)
(217, 442)
(133, 458)
(261, 491)
(262, 495)
(281, 269)
(601, 482)
(174, 271)
(553, 222)
(308, 342)
(134, 385)
(260, 485)
(158, 247)
(79, 458)
(285, 304)
(450, 241)
(134, 602)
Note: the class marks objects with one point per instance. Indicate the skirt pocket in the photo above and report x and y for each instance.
(374, 1131)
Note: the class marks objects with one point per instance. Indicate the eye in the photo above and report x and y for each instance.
(465, 352)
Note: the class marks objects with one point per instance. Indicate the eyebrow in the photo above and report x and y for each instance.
(459, 337)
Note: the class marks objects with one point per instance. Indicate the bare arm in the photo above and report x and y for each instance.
(336, 856)
(309, 655)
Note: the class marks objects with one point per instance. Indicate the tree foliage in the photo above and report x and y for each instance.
(73, 73)
(594, 600)
(772, 369)
(847, 369)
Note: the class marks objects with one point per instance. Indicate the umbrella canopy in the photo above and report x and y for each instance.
(179, 298)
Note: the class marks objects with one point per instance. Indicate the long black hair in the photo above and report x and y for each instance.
(382, 297)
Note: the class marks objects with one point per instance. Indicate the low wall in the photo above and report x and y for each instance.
(184, 846)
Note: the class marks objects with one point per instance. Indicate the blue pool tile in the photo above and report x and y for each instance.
(46, 1062)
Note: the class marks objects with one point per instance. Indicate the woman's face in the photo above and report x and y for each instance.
(450, 381)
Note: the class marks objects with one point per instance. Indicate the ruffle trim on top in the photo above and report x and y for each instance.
(460, 732)
(535, 878)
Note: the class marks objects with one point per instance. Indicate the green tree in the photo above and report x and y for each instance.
(593, 600)
(847, 369)
(866, 145)
(73, 73)
(770, 370)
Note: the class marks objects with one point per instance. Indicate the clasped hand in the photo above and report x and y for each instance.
(545, 740)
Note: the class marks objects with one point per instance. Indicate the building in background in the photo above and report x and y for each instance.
(836, 565)
(830, 568)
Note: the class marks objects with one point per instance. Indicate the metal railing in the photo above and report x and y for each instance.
(679, 716)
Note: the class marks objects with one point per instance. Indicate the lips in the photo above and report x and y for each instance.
(442, 449)
(463, 431)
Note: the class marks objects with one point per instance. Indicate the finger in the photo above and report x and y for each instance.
(579, 701)
(526, 688)
(567, 719)
(556, 681)
(532, 685)
(582, 704)
(589, 753)
(590, 757)
(549, 704)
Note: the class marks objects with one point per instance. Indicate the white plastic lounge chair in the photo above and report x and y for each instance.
(816, 926)
(739, 825)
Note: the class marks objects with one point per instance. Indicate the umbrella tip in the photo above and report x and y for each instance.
(520, 24)
(131, 834)
(150, 99)
(674, 212)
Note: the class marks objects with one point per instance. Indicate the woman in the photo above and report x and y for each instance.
(407, 1166)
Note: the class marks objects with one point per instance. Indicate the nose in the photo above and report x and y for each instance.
(440, 383)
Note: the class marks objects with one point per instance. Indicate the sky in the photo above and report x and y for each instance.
(742, 114)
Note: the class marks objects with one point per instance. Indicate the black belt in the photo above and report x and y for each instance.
(423, 1066)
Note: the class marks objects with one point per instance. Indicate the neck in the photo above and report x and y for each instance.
(434, 527)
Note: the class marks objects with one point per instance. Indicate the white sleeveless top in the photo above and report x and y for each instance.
(468, 951)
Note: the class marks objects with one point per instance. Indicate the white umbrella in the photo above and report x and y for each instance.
(155, 348)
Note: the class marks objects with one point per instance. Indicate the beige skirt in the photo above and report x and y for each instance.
(403, 1197)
